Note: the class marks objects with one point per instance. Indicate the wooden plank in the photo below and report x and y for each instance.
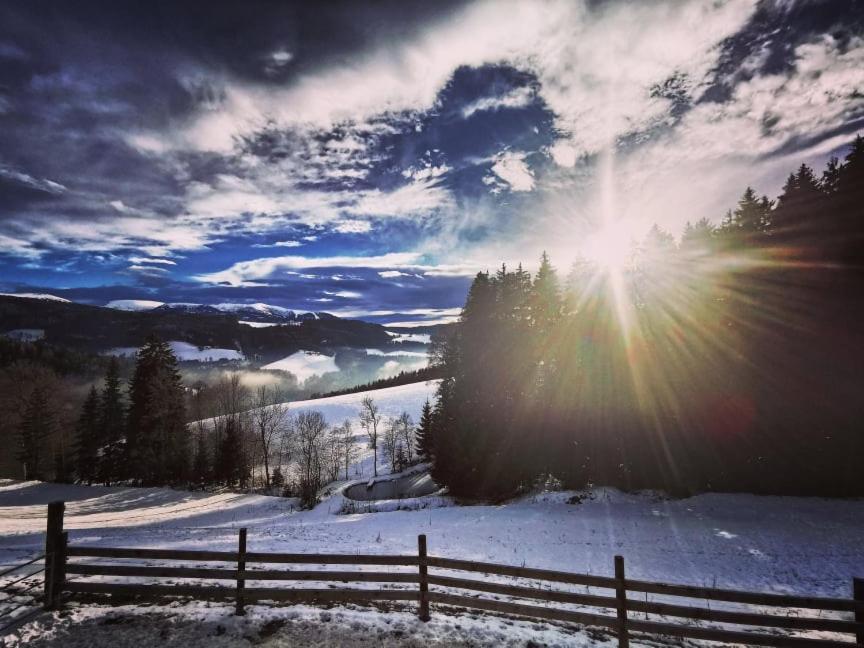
(331, 559)
(522, 572)
(746, 618)
(126, 589)
(731, 636)
(53, 533)
(524, 592)
(250, 593)
(335, 595)
(160, 554)
(240, 608)
(338, 576)
(621, 608)
(524, 610)
(738, 596)
(154, 572)
(858, 594)
(423, 572)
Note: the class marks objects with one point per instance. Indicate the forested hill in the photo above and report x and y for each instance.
(95, 328)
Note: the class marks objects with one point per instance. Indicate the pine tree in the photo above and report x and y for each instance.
(233, 467)
(37, 424)
(425, 434)
(157, 439)
(277, 480)
(111, 428)
(202, 473)
(87, 438)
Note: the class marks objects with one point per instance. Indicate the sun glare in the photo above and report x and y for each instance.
(610, 247)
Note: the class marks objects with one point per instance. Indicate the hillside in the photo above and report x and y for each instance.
(95, 328)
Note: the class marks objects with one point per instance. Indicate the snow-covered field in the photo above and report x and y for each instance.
(186, 352)
(771, 544)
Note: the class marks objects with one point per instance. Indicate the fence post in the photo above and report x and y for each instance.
(858, 595)
(60, 565)
(621, 596)
(241, 573)
(424, 577)
(53, 540)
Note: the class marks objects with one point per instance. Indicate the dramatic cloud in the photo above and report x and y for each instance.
(402, 147)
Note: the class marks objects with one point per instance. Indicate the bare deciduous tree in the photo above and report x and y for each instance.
(311, 429)
(268, 416)
(370, 417)
(391, 442)
(347, 447)
(405, 430)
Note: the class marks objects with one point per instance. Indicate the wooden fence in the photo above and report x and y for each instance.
(414, 585)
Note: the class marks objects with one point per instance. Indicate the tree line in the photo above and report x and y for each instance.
(241, 438)
(728, 361)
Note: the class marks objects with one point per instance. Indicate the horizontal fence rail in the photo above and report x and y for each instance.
(463, 583)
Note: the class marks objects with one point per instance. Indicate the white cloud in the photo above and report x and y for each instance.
(414, 199)
(253, 272)
(352, 226)
(146, 269)
(247, 272)
(282, 244)
(344, 294)
(393, 274)
(513, 170)
(516, 98)
(156, 260)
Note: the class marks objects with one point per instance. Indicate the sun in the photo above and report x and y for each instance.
(611, 246)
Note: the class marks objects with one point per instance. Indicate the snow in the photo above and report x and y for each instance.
(264, 309)
(25, 335)
(396, 354)
(186, 351)
(261, 324)
(771, 544)
(422, 338)
(36, 296)
(134, 304)
(207, 625)
(305, 364)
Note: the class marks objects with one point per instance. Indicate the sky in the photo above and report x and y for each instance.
(367, 159)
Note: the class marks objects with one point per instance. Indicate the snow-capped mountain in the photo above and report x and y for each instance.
(257, 312)
(43, 296)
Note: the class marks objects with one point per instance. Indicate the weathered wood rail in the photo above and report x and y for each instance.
(786, 615)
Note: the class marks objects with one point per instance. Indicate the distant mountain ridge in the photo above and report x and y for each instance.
(257, 312)
(98, 328)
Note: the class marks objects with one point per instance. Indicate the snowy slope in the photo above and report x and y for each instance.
(391, 402)
(36, 296)
(134, 304)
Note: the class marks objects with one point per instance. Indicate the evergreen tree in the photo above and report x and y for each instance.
(202, 473)
(425, 433)
(87, 438)
(37, 424)
(796, 220)
(233, 467)
(277, 480)
(157, 438)
(111, 428)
